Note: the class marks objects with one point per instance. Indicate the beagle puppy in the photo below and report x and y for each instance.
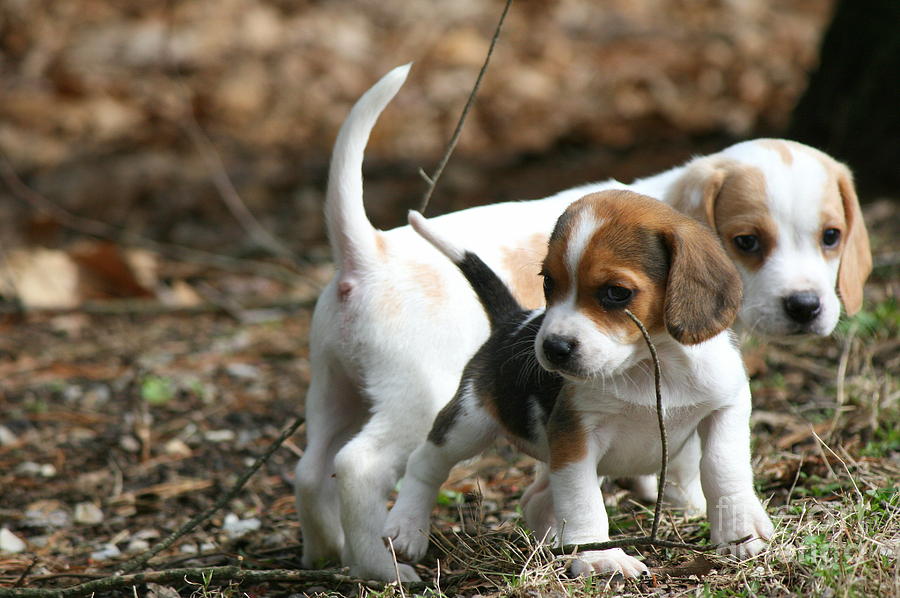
(392, 331)
(573, 385)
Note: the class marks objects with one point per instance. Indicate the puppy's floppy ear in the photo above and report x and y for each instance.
(703, 294)
(856, 257)
(696, 191)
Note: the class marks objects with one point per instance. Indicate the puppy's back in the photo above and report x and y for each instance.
(495, 296)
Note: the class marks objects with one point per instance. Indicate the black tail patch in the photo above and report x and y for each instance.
(495, 296)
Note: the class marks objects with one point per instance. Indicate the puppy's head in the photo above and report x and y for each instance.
(618, 250)
(789, 218)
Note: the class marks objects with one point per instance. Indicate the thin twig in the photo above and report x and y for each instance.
(840, 395)
(142, 559)
(396, 566)
(657, 375)
(217, 576)
(433, 179)
(111, 307)
(229, 194)
(25, 573)
(623, 542)
(220, 178)
(96, 228)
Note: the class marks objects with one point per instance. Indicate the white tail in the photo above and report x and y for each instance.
(420, 225)
(349, 230)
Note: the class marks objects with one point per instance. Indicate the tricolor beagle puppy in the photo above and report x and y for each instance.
(573, 386)
(393, 330)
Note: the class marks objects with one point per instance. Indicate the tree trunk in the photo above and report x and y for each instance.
(851, 108)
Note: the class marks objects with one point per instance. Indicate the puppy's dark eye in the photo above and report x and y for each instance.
(613, 296)
(548, 286)
(747, 243)
(831, 237)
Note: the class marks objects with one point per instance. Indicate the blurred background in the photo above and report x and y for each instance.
(147, 116)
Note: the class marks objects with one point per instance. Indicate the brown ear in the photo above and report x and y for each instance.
(704, 290)
(856, 257)
(695, 193)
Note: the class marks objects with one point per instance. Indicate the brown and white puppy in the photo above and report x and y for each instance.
(393, 330)
(587, 409)
(789, 218)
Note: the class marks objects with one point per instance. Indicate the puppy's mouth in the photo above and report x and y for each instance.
(570, 374)
(791, 332)
(573, 376)
(581, 376)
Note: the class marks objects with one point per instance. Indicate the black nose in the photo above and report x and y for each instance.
(558, 349)
(802, 307)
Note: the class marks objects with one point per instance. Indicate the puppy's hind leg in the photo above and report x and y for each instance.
(334, 412)
(461, 430)
(370, 464)
(537, 505)
(684, 490)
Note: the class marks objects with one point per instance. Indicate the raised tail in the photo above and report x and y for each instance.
(495, 296)
(351, 234)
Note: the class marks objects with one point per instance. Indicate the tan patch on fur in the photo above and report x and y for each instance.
(489, 403)
(832, 215)
(623, 252)
(740, 209)
(391, 304)
(429, 281)
(856, 254)
(380, 244)
(565, 434)
(779, 146)
(703, 177)
(555, 267)
(523, 264)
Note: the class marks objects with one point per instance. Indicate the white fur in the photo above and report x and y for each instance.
(381, 370)
(706, 392)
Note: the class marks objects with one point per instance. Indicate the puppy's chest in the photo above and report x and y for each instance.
(628, 438)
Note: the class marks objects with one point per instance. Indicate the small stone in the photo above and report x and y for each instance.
(7, 438)
(10, 543)
(130, 443)
(137, 546)
(236, 527)
(109, 551)
(193, 548)
(88, 513)
(30, 468)
(47, 514)
(97, 396)
(177, 447)
(242, 370)
(155, 590)
(72, 394)
(146, 534)
(219, 435)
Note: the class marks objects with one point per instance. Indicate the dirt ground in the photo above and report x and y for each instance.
(118, 427)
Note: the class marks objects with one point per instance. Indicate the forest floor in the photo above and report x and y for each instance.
(118, 427)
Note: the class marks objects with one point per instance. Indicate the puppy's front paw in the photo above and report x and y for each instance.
(736, 519)
(407, 573)
(613, 560)
(387, 572)
(407, 535)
